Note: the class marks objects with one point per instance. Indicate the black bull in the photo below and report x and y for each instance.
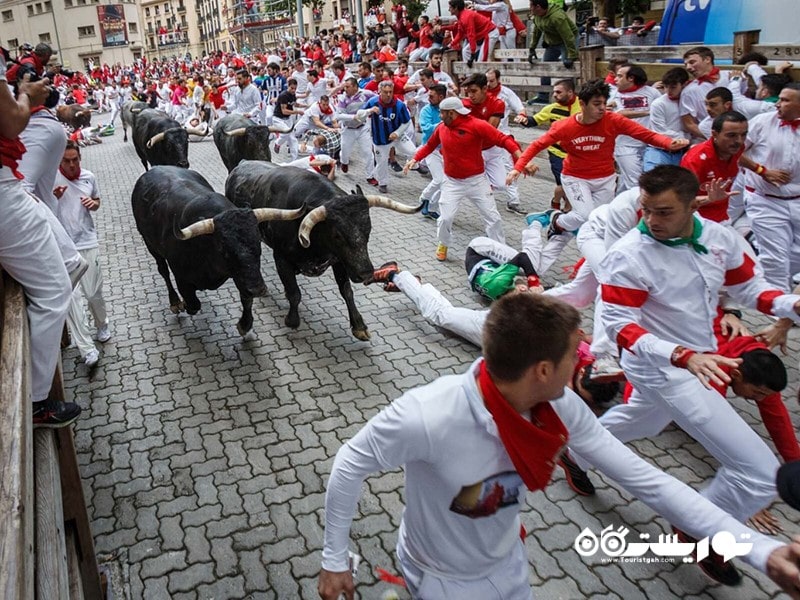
(334, 233)
(160, 140)
(201, 237)
(237, 138)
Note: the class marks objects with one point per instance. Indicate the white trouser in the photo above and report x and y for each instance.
(419, 54)
(507, 582)
(483, 48)
(29, 253)
(266, 114)
(584, 196)
(501, 252)
(497, 163)
(402, 147)
(745, 482)
(115, 108)
(437, 310)
(630, 163)
(69, 253)
(776, 225)
(552, 250)
(476, 189)
(508, 41)
(402, 43)
(433, 190)
(361, 140)
(91, 288)
(284, 126)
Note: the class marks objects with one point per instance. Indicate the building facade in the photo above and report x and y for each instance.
(171, 28)
(79, 30)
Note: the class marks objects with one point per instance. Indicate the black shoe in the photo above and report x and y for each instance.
(713, 565)
(382, 189)
(395, 166)
(423, 170)
(516, 209)
(54, 414)
(343, 167)
(577, 478)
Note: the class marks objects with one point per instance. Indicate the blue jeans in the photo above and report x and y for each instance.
(553, 54)
(656, 156)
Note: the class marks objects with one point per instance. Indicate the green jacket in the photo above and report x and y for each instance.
(558, 29)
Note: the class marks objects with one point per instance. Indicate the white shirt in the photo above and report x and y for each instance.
(638, 100)
(76, 218)
(665, 117)
(301, 77)
(775, 147)
(317, 90)
(245, 101)
(513, 104)
(45, 140)
(693, 97)
(449, 444)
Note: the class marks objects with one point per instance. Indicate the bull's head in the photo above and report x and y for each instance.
(254, 140)
(173, 144)
(350, 226)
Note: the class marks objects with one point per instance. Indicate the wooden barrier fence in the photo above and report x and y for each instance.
(46, 547)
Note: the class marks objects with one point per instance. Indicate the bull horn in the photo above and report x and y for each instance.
(317, 215)
(236, 132)
(277, 214)
(155, 139)
(203, 227)
(195, 131)
(136, 110)
(385, 202)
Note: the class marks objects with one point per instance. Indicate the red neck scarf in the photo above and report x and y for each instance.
(68, 177)
(534, 447)
(711, 77)
(793, 124)
(11, 152)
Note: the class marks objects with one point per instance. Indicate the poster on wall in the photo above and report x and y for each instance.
(112, 24)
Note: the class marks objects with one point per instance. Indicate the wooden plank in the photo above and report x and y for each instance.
(16, 457)
(75, 510)
(789, 52)
(540, 69)
(504, 53)
(51, 579)
(722, 51)
(73, 567)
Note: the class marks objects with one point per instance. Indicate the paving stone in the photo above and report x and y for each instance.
(192, 439)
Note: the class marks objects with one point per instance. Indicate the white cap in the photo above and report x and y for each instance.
(453, 104)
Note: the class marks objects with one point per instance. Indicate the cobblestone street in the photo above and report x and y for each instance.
(204, 457)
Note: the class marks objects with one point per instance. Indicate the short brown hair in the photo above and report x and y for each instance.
(701, 51)
(671, 177)
(73, 145)
(523, 329)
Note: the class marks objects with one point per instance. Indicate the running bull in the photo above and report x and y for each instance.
(160, 140)
(201, 237)
(334, 233)
(129, 112)
(237, 138)
(74, 115)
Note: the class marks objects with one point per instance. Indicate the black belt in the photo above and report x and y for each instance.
(752, 189)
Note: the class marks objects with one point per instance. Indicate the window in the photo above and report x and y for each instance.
(44, 38)
(87, 31)
(166, 8)
(13, 44)
(30, 10)
(68, 3)
(147, 12)
(81, 2)
(156, 9)
(8, 15)
(133, 28)
(48, 6)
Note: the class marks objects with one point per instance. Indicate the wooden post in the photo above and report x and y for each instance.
(743, 41)
(448, 58)
(589, 55)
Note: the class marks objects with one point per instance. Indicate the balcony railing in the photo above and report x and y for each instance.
(172, 38)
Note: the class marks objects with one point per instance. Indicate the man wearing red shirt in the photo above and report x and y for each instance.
(488, 107)
(475, 30)
(718, 159)
(588, 138)
(462, 139)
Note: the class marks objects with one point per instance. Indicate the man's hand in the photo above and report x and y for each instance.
(393, 136)
(521, 119)
(783, 567)
(717, 191)
(410, 164)
(331, 585)
(531, 169)
(89, 203)
(512, 177)
(776, 334)
(678, 144)
(765, 522)
(472, 58)
(568, 62)
(708, 368)
(532, 58)
(776, 176)
(731, 327)
(59, 191)
(36, 91)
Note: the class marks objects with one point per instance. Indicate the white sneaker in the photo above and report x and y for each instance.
(606, 369)
(103, 334)
(92, 358)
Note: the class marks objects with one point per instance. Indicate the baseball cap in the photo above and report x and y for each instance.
(453, 104)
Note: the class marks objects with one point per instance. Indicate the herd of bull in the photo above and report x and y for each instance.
(205, 238)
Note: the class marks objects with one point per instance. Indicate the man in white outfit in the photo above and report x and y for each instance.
(469, 455)
(247, 99)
